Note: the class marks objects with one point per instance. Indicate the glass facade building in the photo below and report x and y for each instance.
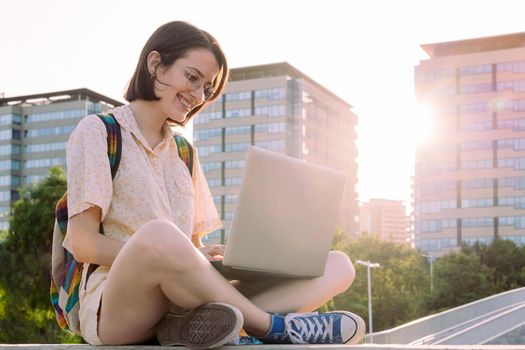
(469, 182)
(275, 107)
(33, 134)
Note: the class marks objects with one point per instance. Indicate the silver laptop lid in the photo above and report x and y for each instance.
(285, 215)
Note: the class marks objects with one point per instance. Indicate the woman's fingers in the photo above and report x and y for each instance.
(213, 251)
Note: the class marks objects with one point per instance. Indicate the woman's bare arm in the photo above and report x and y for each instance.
(87, 244)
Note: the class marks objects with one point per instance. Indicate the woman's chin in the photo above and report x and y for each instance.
(178, 117)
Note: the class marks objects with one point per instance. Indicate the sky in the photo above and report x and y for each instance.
(364, 51)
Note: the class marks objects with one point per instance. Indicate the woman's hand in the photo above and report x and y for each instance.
(213, 251)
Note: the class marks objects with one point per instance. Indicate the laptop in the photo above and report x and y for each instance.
(284, 220)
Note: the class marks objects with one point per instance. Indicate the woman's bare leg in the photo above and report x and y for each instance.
(157, 265)
(285, 296)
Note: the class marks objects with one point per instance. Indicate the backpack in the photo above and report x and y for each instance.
(66, 272)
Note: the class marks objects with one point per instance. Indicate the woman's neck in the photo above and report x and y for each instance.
(148, 117)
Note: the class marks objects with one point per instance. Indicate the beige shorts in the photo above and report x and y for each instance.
(90, 296)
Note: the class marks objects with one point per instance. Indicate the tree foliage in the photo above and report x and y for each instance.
(505, 260)
(26, 314)
(459, 278)
(399, 287)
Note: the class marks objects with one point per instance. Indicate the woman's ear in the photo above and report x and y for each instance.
(154, 61)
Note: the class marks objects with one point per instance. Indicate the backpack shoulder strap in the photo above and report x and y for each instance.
(185, 150)
(114, 141)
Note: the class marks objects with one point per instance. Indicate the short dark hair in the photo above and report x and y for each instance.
(173, 40)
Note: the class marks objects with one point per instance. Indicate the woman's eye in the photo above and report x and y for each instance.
(191, 77)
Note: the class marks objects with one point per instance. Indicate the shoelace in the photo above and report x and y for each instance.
(305, 331)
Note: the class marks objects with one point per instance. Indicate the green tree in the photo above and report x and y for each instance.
(26, 314)
(504, 258)
(400, 287)
(459, 278)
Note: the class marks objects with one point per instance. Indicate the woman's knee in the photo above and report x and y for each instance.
(161, 242)
(343, 268)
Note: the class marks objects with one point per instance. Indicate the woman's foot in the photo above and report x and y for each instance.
(337, 327)
(207, 326)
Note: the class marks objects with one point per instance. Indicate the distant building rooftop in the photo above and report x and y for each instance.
(462, 47)
(58, 96)
(275, 70)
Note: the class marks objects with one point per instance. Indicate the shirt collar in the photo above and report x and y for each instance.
(125, 118)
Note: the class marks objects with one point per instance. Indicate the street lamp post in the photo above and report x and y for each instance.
(431, 259)
(369, 266)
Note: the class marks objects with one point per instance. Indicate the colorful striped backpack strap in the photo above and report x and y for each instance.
(185, 150)
(66, 272)
(114, 141)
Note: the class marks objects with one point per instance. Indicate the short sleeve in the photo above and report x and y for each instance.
(89, 180)
(206, 218)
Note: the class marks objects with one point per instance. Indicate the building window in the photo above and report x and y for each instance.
(517, 182)
(476, 88)
(205, 134)
(10, 180)
(477, 203)
(513, 66)
(233, 181)
(237, 113)
(54, 131)
(237, 147)
(270, 128)
(237, 130)
(44, 163)
(40, 117)
(45, 147)
(9, 150)
(210, 166)
(476, 164)
(9, 164)
(514, 124)
(516, 202)
(476, 145)
(31, 179)
(214, 182)
(477, 222)
(476, 126)
(474, 107)
(480, 69)
(272, 145)
(477, 183)
(437, 206)
(238, 96)
(516, 163)
(7, 119)
(516, 221)
(235, 164)
(206, 117)
(205, 151)
(271, 94)
(271, 111)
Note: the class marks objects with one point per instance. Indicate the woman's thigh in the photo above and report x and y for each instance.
(132, 301)
(252, 288)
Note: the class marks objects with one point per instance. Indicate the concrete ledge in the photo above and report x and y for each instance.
(267, 347)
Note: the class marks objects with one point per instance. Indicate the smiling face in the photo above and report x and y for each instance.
(185, 84)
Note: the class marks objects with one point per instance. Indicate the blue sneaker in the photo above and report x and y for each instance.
(337, 327)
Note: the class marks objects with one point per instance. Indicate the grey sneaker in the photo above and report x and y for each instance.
(207, 326)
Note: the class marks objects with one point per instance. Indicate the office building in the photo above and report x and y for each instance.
(34, 130)
(469, 183)
(384, 218)
(279, 108)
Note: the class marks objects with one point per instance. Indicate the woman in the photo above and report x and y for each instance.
(154, 275)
